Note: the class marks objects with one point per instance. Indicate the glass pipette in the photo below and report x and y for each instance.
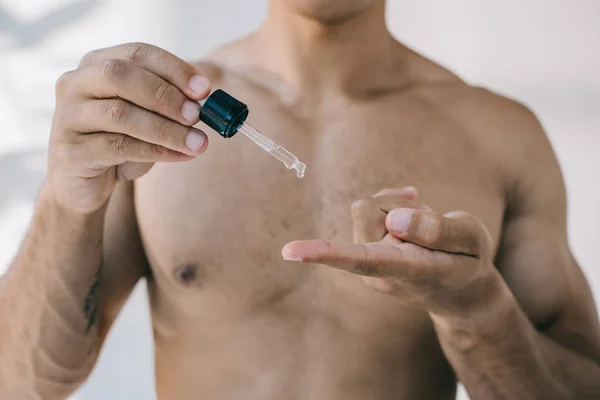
(227, 116)
(288, 159)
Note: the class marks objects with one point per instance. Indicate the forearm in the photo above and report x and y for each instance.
(49, 301)
(498, 354)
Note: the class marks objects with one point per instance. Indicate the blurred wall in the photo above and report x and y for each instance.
(546, 53)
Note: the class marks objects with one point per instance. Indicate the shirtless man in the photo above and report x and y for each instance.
(397, 294)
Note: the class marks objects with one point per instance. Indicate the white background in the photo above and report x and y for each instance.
(545, 53)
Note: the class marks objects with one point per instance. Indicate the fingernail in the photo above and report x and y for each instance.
(190, 110)
(292, 258)
(194, 140)
(399, 220)
(198, 84)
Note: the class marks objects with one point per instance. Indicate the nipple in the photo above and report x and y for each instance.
(185, 273)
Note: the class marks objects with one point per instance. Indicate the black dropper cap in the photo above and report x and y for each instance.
(223, 113)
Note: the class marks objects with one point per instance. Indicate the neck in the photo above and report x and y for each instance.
(352, 57)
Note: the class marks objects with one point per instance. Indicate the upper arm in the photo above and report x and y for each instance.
(534, 256)
(124, 261)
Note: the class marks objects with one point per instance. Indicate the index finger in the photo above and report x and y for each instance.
(388, 258)
(378, 259)
(181, 74)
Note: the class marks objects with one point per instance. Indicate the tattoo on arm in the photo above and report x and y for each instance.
(99, 242)
(91, 303)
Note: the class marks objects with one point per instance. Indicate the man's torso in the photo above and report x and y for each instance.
(233, 320)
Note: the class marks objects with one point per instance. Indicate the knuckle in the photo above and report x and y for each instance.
(361, 207)
(476, 233)
(72, 142)
(64, 117)
(162, 93)
(366, 265)
(136, 52)
(326, 246)
(157, 150)
(117, 143)
(485, 244)
(366, 268)
(118, 111)
(482, 238)
(66, 148)
(164, 129)
(435, 230)
(152, 151)
(176, 68)
(114, 69)
(63, 83)
(89, 57)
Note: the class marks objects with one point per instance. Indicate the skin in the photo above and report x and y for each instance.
(429, 233)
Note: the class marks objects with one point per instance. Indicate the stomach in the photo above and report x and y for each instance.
(330, 338)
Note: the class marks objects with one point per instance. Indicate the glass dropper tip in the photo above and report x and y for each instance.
(288, 159)
(300, 168)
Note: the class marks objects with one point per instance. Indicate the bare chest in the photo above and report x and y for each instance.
(228, 214)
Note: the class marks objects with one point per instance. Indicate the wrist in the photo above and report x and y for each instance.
(49, 201)
(60, 245)
(65, 225)
(478, 309)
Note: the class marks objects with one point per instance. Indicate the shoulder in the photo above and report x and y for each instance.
(513, 135)
(510, 127)
(508, 132)
(476, 109)
(483, 111)
(479, 108)
(523, 146)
